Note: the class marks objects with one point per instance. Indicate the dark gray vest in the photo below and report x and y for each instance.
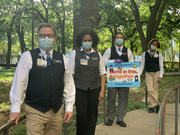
(87, 76)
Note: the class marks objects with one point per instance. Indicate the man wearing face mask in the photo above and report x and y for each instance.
(117, 54)
(43, 75)
(152, 60)
(87, 67)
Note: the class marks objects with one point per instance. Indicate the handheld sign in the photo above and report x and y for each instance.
(126, 74)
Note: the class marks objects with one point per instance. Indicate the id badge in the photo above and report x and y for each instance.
(155, 55)
(41, 63)
(83, 61)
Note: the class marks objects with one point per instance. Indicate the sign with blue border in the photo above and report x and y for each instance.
(125, 74)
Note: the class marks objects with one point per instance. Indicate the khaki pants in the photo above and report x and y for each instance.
(152, 87)
(39, 123)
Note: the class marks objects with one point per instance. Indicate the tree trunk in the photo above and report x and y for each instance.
(20, 32)
(46, 10)
(63, 30)
(32, 4)
(76, 21)
(9, 49)
(86, 16)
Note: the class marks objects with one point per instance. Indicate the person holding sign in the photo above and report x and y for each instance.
(43, 75)
(88, 68)
(117, 54)
(152, 60)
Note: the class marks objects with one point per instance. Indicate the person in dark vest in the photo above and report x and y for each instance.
(152, 60)
(117, 54)
(44, 77)
(88, 68)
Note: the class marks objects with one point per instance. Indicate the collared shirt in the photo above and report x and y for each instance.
(107, 55)
(21, 77)
(160, 63)
(102, 69)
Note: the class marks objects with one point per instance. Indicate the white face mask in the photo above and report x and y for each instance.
(153, 47)
(119, 41)
(86, 45)
(46, 43)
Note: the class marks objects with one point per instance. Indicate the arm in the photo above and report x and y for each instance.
(19, 85)
(161, 67)
(106, 57)
(101, 94)
(130, 56)
(69, 91)
(102, 74)
(72, 61)
(142, 63)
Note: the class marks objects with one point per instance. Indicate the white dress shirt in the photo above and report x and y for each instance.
(107, 55)
(102, 69)
(20, 82)
(160, 63)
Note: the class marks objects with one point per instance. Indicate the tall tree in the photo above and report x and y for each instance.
(156, 11)
(86, 15)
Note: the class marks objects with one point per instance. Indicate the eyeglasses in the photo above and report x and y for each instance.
(48, 35)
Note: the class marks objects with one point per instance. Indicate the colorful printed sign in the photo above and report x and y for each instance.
(126, 74)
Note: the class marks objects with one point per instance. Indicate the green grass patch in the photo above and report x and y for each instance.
(134, 105)
(19, 129)
(6, 74)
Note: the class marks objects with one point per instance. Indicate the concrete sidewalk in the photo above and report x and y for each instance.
(141, 122)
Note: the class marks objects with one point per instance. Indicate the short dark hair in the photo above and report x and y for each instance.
(152, 40)
(118, 33)
(42, 25)
(93, 35)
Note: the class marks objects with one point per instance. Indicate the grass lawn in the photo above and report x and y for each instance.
(136, 100)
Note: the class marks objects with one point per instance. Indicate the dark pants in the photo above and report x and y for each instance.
(86, 110)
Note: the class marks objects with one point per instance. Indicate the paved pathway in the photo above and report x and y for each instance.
(140, 122)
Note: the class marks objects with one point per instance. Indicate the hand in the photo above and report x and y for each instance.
(14, 117)
(118, 61)
(159, 79)
(67, 116)
(101, 95)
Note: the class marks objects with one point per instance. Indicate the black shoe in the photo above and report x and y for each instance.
(151, 110)
(121, 123)
(157, 108)
(109, 122)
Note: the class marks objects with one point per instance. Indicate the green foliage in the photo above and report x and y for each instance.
(116, 16)
(171, 65)
(4, 107)
(19, 13)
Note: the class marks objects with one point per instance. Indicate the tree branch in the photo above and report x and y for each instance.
(152, 19)
(135, 11)
(159, 18)
(122, 18)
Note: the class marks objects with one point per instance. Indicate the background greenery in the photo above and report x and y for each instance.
(19, 20)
